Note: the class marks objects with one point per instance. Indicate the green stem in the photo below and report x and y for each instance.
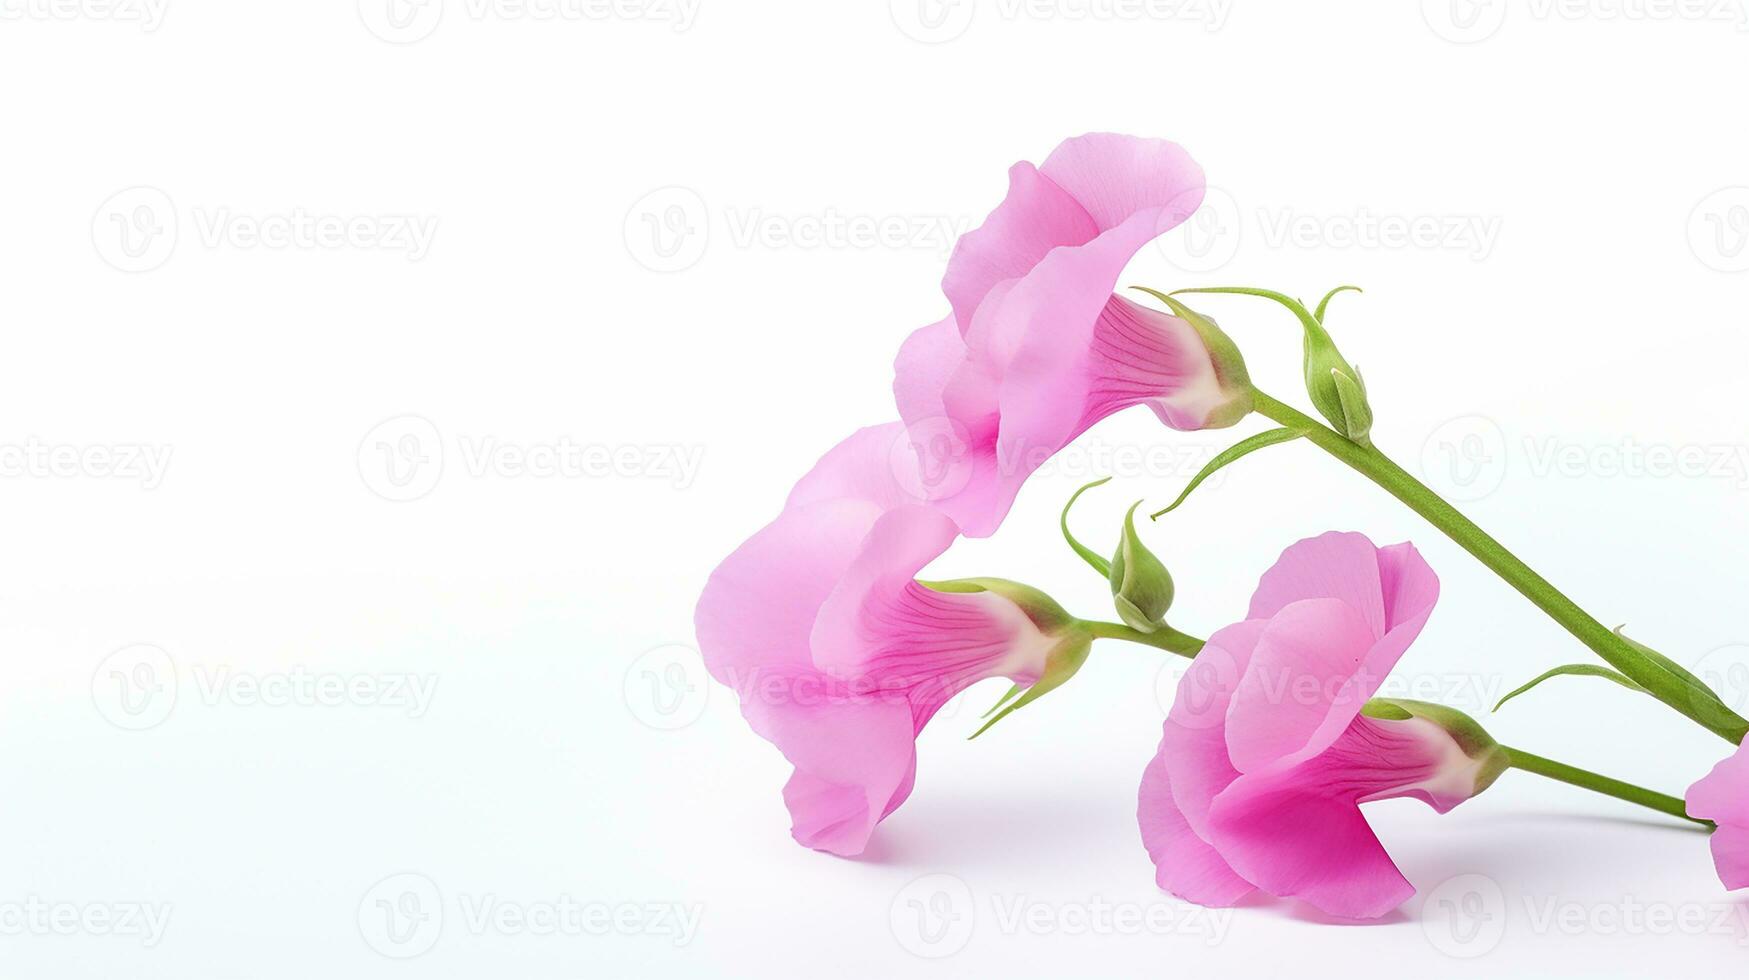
(1574, 776)
(1615, 651)
(1165, 638)
(1186, 645)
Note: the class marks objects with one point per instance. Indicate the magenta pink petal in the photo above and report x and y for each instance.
(1296, 830)
(1184, 864)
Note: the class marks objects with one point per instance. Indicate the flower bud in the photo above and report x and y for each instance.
(1141, 587)
(1336, 386)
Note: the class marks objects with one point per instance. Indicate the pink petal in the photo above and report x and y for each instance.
(881, 631)
(1334, 565)
(1034, 218)
(871, 465)
(1028, 289)
(1296, 830)
(1184, 864)
(1722, 796)
(1298, 689)
(854, 757)
(759, 605)
(1730, 846)
(1193, 745)
(1407, 585)
(1115, 176)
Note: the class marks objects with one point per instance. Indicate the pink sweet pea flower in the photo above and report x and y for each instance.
(1723, 797)
(1267, 755)
(1038, 348)
(839, 657)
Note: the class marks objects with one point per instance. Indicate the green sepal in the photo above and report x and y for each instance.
(1141, 587)
(1466, 733)
(1581, 670)
(1228, 456)
(1044, 611)
(1356, 413)
(1060, 664)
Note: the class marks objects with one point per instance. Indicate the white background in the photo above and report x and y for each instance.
(629, 243)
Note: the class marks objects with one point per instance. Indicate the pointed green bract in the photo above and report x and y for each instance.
(1577, 670)
(1231, 454)
(1060, 665)
(1087, 554)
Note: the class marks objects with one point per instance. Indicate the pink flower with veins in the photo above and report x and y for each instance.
(1722, 796)
(1267, 753)
(1037, 348)
(839, 657)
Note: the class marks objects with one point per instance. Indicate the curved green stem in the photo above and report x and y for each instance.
(1574, 776)
(1165, 638)
(1614, 650)
(1185, 645)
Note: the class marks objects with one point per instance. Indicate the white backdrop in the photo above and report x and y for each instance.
(382, 380)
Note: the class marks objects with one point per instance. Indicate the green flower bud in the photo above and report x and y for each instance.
(1141, 587)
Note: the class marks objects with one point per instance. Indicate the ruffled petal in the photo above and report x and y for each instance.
(1296, 830)
(1193, 744)
(1722, 796)
(1334, 565)
(1184, 864)
(1034, 218)
(1298, 690)
(1114, 177)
